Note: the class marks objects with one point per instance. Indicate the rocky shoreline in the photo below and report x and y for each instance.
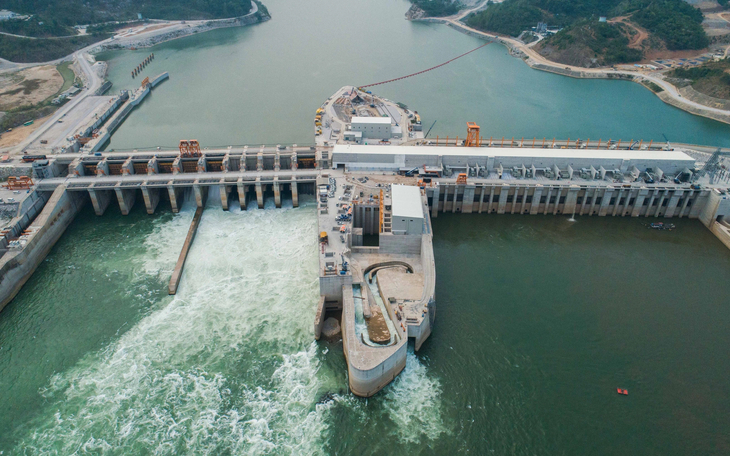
(565, 70)
(190, 29)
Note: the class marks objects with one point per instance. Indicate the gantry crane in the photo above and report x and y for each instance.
(472, 135)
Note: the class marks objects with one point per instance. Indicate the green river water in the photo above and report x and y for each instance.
(539, 319)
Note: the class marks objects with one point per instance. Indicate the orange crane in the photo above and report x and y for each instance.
(19, 183)
(472, 135)
(189, 148)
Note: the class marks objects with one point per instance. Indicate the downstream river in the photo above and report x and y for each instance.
(539, 318)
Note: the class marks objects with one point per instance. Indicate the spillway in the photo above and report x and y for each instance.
(228, 364)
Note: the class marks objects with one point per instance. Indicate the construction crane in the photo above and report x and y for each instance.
(712, 165)
(18, 183)
(472, 135)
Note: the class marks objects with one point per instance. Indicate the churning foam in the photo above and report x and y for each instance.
(227, 366)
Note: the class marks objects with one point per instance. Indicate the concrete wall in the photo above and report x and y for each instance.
(369, 368)
(16, 266)
(400, 244)
(521, 198)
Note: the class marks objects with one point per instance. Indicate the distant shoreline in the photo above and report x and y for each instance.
(685, 100)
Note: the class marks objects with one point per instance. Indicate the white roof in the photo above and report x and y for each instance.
(512, 152)
(372, 120)
(406, 201)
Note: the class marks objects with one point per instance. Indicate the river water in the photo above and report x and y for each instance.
(261, 84)
(539, 319)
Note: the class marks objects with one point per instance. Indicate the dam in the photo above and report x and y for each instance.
(378, 181)
(374, 206)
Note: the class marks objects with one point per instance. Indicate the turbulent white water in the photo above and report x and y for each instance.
(228, 365)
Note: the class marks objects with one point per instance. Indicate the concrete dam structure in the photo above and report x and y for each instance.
(374, 204)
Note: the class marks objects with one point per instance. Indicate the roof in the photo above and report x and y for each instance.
(372, 120)
(406, 201)
(357, 134)
(511, 152)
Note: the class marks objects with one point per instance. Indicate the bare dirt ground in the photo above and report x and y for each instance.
(29, 86)
(12, 138)
(636, 40)
(664, 54)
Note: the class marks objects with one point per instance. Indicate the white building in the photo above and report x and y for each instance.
(407, 210)
(5, 15)
(372, 127)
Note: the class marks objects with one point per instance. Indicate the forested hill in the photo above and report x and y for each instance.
(671, 24)
(57, 16)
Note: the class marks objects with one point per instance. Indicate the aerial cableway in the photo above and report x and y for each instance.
(424, 71)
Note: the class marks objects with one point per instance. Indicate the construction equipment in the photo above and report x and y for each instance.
(472, 135)
(712, 165)
(323, 238)
(145, 82)
(189, 148)
(18, 183)
(461, 179)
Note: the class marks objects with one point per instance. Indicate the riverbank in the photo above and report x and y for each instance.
(669, 93)
(172, 30)
(149, 35)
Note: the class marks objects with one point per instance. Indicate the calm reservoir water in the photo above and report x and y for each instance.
(539, 319)
(261, 84)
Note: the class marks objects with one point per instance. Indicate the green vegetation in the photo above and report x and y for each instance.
(652, 86)
(67, 13)
(675, 22)
(604, 43)
(36, 28)
(511, 17)
(437, 8)
(711, 78)
(56, 18)
(68, 76)
(26, 50)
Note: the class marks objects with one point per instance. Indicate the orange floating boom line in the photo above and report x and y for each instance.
(424, 71)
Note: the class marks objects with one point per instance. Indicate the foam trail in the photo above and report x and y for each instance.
(228, 366)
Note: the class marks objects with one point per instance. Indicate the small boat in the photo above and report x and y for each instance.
(661, 226)
(622, 391)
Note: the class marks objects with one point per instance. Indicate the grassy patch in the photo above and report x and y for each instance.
(68, 76)
(652, 86)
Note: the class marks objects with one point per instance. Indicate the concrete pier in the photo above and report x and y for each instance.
(126, 199)
(277, 192)
(177, 272)
(176, 197)
(241, 193)
(201, 194)
(225, 192)
(151, 198)
(100, 199)
(294, 193)
(259, 193)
